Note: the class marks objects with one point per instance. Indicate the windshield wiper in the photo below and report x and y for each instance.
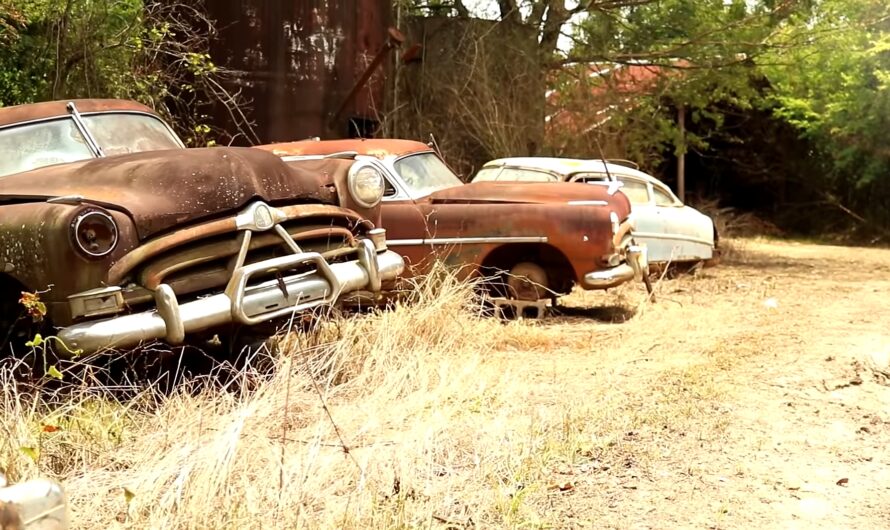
(84, 131)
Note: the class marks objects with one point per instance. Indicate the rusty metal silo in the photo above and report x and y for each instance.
(298, 60)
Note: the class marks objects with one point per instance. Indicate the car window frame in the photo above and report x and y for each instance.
(646, 184)
(400, 193)
(405, 192)
(579, 176)
(63, 117)
(554, 177)
(675, 201)
(155, 117)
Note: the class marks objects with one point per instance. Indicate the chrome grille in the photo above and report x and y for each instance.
(207, 264)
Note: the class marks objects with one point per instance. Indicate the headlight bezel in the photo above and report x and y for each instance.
(356, 172)
(80, 223)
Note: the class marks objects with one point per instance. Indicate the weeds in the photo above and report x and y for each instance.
(424, 414)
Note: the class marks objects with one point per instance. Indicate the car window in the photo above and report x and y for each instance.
(487, 174)
(58, 141)
(119, 133)
(388, 189)
(662, 197)
(513, 174)
(35, 145)
(425, 173)
(589, 177)
(636, 190)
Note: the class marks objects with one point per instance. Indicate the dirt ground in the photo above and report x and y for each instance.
(754, 394)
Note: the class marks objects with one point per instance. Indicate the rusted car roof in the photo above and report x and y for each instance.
(53, 109)
(376, 147)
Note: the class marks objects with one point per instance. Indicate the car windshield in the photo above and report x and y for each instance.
(425, 173)
(34, 145)
(513, 174)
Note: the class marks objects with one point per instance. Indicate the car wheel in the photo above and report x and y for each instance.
(528, 281)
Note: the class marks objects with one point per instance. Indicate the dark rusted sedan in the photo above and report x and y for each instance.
(129, 237)
(546, 238)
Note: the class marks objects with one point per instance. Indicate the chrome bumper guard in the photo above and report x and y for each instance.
(636, 265)
(241, 302)
(34, 505)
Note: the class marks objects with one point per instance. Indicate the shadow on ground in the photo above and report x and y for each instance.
(608, 314)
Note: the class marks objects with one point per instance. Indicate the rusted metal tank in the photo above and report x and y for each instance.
(298, 60)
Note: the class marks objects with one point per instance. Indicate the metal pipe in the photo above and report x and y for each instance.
(394, 41)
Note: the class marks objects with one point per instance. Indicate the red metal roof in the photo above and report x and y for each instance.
(601, 88)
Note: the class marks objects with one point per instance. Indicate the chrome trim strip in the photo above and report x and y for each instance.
(679, 237)
(467, 240)
(588, 203)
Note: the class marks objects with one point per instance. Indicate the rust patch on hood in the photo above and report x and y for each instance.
(162, 189)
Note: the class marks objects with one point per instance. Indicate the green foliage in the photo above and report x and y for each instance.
(821, 67)
(76, 48)
(701, 56)
(151, 51)
(834, 88)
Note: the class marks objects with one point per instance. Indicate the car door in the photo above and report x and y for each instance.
(689, 233)
(651, 227)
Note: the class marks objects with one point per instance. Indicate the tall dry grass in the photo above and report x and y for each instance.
(360, 419)
(411, 417)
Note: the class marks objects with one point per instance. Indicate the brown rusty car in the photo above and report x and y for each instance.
(130, 237)
(545, 238)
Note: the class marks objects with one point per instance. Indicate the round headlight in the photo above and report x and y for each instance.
(94, 233)
(366, 185)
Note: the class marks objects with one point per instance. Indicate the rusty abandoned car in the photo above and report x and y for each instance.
(539, 240)
(129, 237)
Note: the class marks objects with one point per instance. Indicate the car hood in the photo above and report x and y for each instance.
(527, 192)
(163, 189)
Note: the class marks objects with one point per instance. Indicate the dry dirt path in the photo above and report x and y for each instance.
(747, 397)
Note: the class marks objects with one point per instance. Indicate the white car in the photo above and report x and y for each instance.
(671, 231)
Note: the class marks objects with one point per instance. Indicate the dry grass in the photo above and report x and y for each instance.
(730, 222)
(427, 415)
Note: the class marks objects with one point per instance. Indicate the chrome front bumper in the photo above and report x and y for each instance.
(636, 265)
(241, 303)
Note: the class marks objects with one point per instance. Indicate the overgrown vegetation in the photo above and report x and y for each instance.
(784, 102)
(398, 419)
(154, 52)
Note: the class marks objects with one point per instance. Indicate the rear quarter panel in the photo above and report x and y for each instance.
(580, 232)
